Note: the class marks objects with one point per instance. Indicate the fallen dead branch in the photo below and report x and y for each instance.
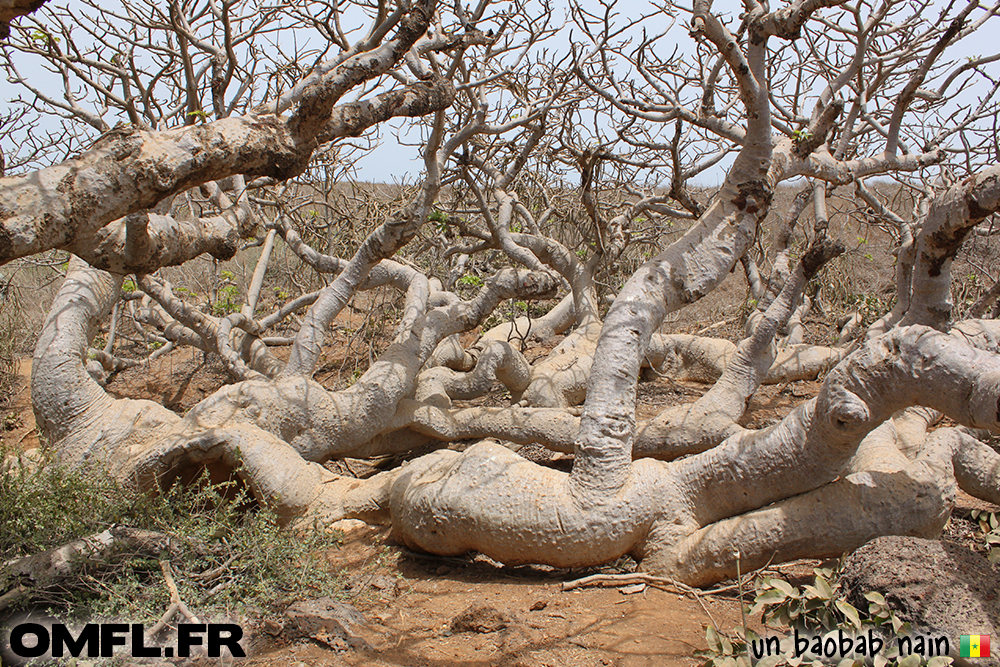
(56, 566)
(632, 578)
(176, 603)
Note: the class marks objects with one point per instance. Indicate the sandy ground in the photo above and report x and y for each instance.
(468, 612)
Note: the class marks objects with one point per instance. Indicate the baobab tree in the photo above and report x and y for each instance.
(212, 146)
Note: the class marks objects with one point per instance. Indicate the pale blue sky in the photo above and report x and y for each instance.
(395, 161)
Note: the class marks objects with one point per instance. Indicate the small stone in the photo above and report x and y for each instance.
(325, 620)
(480, 618)
(385, 583)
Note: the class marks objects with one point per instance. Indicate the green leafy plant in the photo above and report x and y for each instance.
(44, 37)
(966, 292)
(229, 554)
(814, 606)
(492, 321)
(870, 306)
(11, 421)
(723, 651)
(440, 220)
(881, 613)
(229, 300)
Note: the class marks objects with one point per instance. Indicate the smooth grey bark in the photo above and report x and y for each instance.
(950, 219)
(300, 420)
(128, 170)
(675, 516)
(709, 420)
(490, 500)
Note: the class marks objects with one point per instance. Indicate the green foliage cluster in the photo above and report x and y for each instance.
(232, 556)
(229, 301)
(8, 359)
(801, 135)
(513, 310)
(468, 285)
(821, 608)
(15, 331)
(440, 220)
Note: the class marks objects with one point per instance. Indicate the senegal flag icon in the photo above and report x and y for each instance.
(975, 646)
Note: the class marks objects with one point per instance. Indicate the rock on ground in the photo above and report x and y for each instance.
(939, 588)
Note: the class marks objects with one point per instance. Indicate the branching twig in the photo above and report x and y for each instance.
(176, 604)
(664, 583)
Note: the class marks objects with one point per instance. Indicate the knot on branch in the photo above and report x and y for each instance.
(847, 411)
(983, 199)
(450, 41)
(754, 197)
(535, 284)
(819, 254)
(434, 93)
(808, 140)
(118, 138)
(698, 28)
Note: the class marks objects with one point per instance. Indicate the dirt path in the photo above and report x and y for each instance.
(434, 612)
